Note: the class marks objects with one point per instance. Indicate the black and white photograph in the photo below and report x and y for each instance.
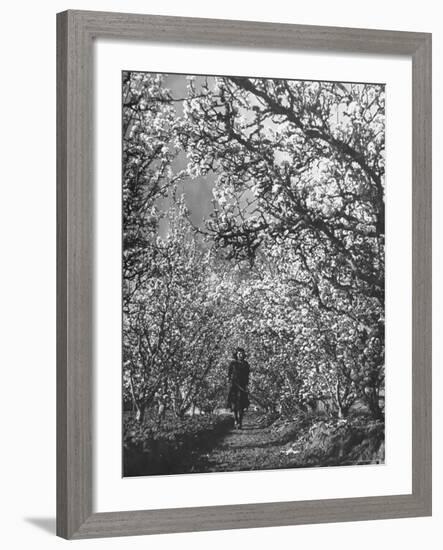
(221, 303)
(253, 273)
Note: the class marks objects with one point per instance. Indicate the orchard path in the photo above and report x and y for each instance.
(253, 447)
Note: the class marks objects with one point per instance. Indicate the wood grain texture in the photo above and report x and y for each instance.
(211, 518)
(76, 31)
(62, 364)
(246, 33)
(422, 272)
(74, 291)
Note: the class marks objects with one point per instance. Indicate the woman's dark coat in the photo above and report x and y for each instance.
(238, 377)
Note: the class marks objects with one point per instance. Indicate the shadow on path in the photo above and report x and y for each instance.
(254, 447)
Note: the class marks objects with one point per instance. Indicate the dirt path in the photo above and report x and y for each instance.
(252, 448)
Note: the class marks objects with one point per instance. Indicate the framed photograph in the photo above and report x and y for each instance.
(243, 274)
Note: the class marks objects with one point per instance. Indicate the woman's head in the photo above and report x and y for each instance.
(239, 353)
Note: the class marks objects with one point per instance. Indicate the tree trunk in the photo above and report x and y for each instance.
(342, 409)
(139, 412)
(139, 407)
(377, 413)
(371, 399)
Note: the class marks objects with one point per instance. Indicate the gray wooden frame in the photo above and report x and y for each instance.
(76, 31)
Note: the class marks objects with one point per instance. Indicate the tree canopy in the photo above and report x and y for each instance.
(289, 263)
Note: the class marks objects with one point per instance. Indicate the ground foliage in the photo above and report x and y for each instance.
(211, 444)
(172, 447)
(298, 443)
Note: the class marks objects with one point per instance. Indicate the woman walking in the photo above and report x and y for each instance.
(238, 379)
